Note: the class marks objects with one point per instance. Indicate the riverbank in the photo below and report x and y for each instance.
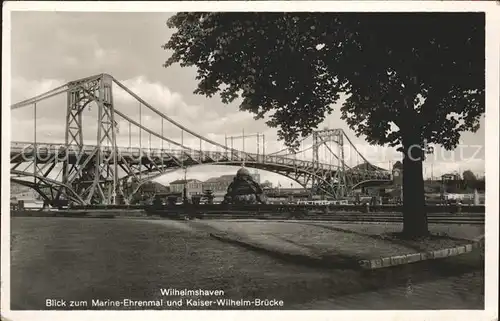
(85, 259)
(366, 246)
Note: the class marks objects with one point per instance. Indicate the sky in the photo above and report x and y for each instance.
(52, 48)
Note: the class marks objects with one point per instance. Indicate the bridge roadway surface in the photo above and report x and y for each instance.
(171, 157)
(117, 259)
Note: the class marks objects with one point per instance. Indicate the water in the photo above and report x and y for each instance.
(88, 259)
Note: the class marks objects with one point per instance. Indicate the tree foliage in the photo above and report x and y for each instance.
(469, 176)
(403, 73)
(397, 165)
(402, 79)
(266, 184)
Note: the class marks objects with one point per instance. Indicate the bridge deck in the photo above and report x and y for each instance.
(166, 158)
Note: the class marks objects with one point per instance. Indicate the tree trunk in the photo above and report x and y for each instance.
(414, 211)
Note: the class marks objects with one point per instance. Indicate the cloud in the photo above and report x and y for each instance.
(154, 93)
(198, 118)
(22, 88)
(103, 54)
(70, 61)
(51, 113)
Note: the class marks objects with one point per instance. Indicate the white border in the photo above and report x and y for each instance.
(492, 10)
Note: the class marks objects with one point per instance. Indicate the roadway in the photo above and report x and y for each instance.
(173, 158)
(170, 157)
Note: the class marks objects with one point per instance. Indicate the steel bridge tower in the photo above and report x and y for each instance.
(337, 181)
(94, 175)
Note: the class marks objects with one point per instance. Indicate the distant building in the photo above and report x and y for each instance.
(218, 185)
(152, 188)
(451, 177)
(267, 184)
(193, 187)
(16, 188)
(286, 192)
(21, 191)
(256, 177)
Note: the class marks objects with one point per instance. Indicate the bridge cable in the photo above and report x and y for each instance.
(332, 153)
(258, 147)
(182, 151)
(35, 148)
(67, 86)
(149, 131)
(263, 147)
(244, 155)
(60, 172)
(225, 144)
(232, 149)
(184, 168)
(39, 98)
(377, 169)
(140, 142)
(331, 157)
(288, 149)
(350, 142)
(130, 136)
(159, 113)
(300, 152)
(56, 91)
(162, 142)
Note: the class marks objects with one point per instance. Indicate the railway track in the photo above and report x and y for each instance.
(381, 219)
(232, 214)
(341, 213)
(344, 217)
(479, 209)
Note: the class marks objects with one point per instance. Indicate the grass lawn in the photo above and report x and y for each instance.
(85, 259)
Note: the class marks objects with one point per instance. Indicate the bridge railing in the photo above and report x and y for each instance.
(29, 148)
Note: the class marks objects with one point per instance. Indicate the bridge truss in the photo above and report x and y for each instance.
(106, 172)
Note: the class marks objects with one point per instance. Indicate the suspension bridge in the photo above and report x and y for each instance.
(107, 149)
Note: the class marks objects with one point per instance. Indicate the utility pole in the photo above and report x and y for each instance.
(184, 190)
(225, 142)
(244, 155)
(263, 145)
(243, 136)
(258, 147)
(232, 148)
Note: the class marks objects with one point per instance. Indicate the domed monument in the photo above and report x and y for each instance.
(397, 180)
(244, 189)
(397, 173)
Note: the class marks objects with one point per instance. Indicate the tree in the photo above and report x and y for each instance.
(470, 180)
(209, 194)
(267, 184)
(469, 176)
(408, 79)
(397, 165)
